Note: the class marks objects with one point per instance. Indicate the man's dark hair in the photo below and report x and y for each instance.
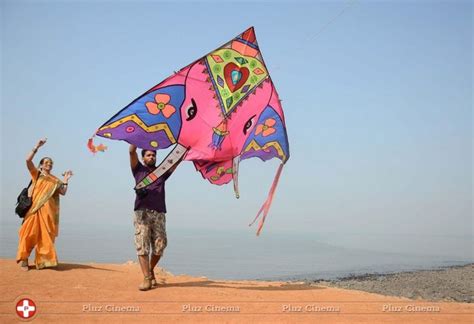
(145, 150)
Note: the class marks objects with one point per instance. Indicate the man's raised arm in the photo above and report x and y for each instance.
(133, 156)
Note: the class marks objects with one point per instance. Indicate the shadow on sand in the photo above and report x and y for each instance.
(72, 266)
(240, 285)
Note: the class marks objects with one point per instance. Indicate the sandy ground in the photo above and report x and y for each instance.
(107, 293)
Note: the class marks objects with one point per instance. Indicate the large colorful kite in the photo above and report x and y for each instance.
(219, 110)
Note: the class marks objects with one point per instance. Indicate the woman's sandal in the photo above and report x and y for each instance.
(24, 265)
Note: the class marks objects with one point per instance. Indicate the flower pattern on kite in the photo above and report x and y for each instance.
(161, 104)
(218, 110)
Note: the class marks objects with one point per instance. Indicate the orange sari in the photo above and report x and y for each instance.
(41, 224)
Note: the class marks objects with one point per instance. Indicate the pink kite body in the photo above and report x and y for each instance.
(217, 111)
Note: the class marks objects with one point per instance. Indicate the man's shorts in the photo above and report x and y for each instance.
(150, 231)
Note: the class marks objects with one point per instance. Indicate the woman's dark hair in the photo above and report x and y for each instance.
(42, 160)
(145, 150)
(45, 158)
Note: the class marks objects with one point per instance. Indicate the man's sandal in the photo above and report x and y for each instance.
(153, 280)
(146, 284)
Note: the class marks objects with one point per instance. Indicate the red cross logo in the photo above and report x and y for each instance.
(26, 308)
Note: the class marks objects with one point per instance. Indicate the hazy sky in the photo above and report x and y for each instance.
(378, 105)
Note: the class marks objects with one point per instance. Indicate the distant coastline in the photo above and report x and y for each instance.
(449, 283)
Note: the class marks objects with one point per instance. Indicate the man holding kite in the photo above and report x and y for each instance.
(150, 216)
(217, 111)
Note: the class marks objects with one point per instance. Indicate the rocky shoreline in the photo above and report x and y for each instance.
(453, 283)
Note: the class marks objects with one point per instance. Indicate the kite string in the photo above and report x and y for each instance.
(349, 3)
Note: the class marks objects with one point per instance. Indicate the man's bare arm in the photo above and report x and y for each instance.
(133, 156)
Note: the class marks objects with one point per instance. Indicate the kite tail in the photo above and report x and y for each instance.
(268, 202)
(95, 148)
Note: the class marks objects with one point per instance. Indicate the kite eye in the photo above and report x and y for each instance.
(191, 111)
(248, 124)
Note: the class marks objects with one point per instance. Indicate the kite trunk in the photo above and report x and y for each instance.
(169, 163)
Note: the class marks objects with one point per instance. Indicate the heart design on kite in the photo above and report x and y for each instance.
(235, 77)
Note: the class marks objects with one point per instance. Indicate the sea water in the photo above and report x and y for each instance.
(239, 254)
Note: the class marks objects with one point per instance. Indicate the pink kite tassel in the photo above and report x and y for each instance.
(268, 202)
(93, 148)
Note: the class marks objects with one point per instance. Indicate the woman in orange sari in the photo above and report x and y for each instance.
(40, 226)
